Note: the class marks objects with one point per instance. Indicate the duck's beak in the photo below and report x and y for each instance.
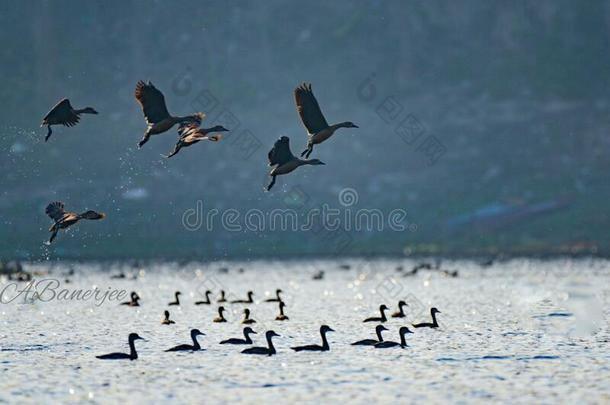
(331, 330)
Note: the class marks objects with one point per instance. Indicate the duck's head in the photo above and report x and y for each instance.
(248, 330)
(349, 124)
(250, 294)
(404, 330)
(134, 296)
(177, 293)
(401, 303)
(435, 311)
(383, 307)
(221, 309)
(92, 215)
(271, 334)
(166, 314)
(326, 328)
(380, 328)
(134, 336)
(278, 291)
(208, 292)
(218, 128)
(247, 312)
(196, 332)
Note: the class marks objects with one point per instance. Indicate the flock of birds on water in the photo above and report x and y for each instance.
(270, 350)
(159, 121)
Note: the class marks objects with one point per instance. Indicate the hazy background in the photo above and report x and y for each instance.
(515, 92)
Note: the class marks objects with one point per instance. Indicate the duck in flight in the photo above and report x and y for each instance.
(133, 355)
(64, 219)
(176, 300)
(166, 320)
(311, 115)
(433, 324)
(207, 299)
(247, 301)
(372, 342)
(400, 313)
(236, 341)
(155, 111)
(281, 316)
(63, 114)
(267, 351)
(382, 318)
(189, 348)
(247, 320)
(134, 300)
(277, 297)
(222, 296)
(190, 134)
(324, 329)
(283, 161)
(403, 341)
(220, 317)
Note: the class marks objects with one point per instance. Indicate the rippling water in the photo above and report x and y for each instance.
(519, 331)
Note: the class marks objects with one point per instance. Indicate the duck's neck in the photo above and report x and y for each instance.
(220, 314)
(434, 323)
(401, 310)
(383, 317)
(339, 125)
(270, 344)
(281, 310)
(207, 297)
(324, 341)
(196, 345)
(379, 337)
(132, 350)
(177, 298)
(403, 340)
(247, 336)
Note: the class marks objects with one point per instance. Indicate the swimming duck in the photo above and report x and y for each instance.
(277, 297)
(155, 111)
(134, 301)
(64, 219)
(434, 324)
(176, 299)
(268, 351)
(236, 341)
(248, 301)
(220, 317)
(403, 341)
(317, 348)
(63, 114)
(382, 318)
(247, 320)
(166, 320)
(400, 313)
(190, 134)
(222, 296)
(207, 299)
(281, 316)
(318, 276)
(189, 348)
(318, 129)
(283, 161)
(372, 342)
(133, 355)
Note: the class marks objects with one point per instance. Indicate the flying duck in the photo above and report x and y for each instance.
(247, 320)
(283, 161)
(155, 111)
(400, 313)
(403, 342)
(207, 299)
(317, 348)
(372, 342)
(220, 317)
(133, 355)
(190, 134)
(382, 318)
(277, 296)
(64, 219)
(281, 316)
(166, 320)
(318, 129)
(63, 114)
(432, 324)
(268, 351)
(236, 341)
(176, 300)
(134, 301)
(189, 348)
(247, 301)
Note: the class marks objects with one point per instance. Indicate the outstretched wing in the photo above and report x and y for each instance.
(152, 102)
(62, 113)
(55, 210)
(280, 153)
(309, 109)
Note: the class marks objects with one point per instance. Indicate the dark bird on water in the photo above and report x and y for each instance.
(318, 129)
(382, 318)
(176, 299)
(133, 355)
(64, 219)
(236, 341)
(277, 297)
(247, 320)
(372, 342)
(207, 299)
(324, 329)
(401, 312)
(267, 351)
(190, 134)
(166, 320)
(283, 161)
(189, 348)
(281, 316)
(403, 341)
(63, 114)
(134, 301)
(433, 324)
(221, 317)
(222, 296)
(155, 111)
(246, 301)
